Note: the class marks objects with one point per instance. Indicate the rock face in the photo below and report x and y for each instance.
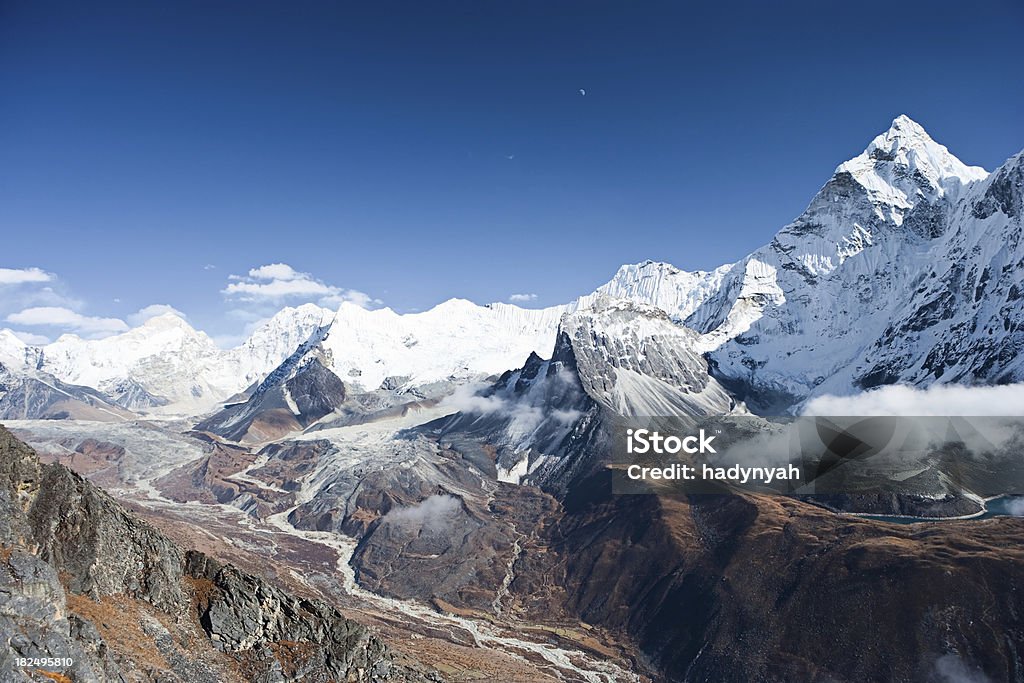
(283, 636)
(549, 421)
(297, 393)
(82, 578)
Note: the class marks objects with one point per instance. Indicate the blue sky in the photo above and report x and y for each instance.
(408, 152)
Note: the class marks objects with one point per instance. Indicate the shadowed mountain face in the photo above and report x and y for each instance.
(724, 588)
(83, 579)
(297, 393)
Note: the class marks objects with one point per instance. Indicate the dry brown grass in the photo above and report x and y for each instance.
(203, 591)
(118, 620)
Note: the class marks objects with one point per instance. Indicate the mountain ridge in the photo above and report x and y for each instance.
(902, 216)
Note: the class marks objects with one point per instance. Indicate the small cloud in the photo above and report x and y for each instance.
(277, 282)
(65, 318)
(522, 298)
(48, 296)
(351, 296)
(152, 311)
(432, 514)
(277, 271)
(1015, 507)
(30, 338)
(209, 266)
(21, 276)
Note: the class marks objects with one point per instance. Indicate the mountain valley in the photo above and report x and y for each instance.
(424, 497)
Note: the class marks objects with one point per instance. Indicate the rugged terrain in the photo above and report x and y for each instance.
(85, 580)
(444, 476)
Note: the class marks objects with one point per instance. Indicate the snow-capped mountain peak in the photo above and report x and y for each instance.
(164, 357)
(168, 321)
(905, 267)
(904, 163)
(12, 349)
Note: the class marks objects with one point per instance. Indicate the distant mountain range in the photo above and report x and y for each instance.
(906, 267)
(446, 476)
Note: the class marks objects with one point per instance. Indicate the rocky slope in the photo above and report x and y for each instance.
(726, 588)
(550, 420)
(297, 393)
(83, 579)
(32, 394)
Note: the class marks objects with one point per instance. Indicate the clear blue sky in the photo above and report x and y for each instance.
(417, 151)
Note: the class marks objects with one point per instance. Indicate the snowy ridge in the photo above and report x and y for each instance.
(12, 350)
(632, 359)
(165, 365)
(661, 284)
(166, 361)
(904, 268)
(899, 270)
(164, 355)
(274, 341)
(905, 162)
(454, 341)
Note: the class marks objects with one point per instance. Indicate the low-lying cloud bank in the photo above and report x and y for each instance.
(937, 400)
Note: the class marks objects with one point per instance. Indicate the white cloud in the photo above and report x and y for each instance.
(209, 266)
(21, 276)
(352, 296)
(276, 282)
(522, 298)
(936, 400)
(276, 271)
(152, 311)
(30, 338)
(279, 289)
(523, 416)
(65, 318)
(431, 514)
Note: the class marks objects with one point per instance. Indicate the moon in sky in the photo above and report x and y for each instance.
(583, 92)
